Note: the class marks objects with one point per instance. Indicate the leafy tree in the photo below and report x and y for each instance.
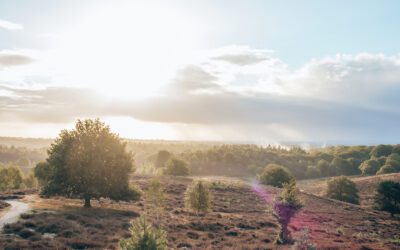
(323, 167)
(30, 181)
(285, 208)
(10, 178)
(394, 161)
(144, 237)
(313, 172)
(387, 197)
(396, 149)
(343, 167)
(343, 189)
(369, 167)
(275, 175)
(381, 150)
(88, 162)
(43, 172)
(381, 160)
(197, 197)
(162, 157)
(177, 167)
(387, 169)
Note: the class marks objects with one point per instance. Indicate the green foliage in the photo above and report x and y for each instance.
(10, 178)
(30, 181)
(381, 150)
(343, 189)
(387, 169)
(394, 161)
(144, 237)
(323, 167)
(197, 197)
(156, 196)
(387, 197)
(275, 175)
(290, 195)
(87, 162)
(396, 149)
(313, 172)
(177, 167)
(343, 167)
(162, 157)
(369, 167)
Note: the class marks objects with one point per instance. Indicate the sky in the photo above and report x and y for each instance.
(252, 71)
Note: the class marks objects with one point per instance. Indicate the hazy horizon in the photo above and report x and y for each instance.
(226, 71)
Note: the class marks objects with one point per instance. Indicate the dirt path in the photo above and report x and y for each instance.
(12, 213)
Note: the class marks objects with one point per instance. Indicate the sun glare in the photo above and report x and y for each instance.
(127, 49)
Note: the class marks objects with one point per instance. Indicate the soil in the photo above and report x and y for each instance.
(241, 218)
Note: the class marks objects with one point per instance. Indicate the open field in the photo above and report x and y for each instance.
(240, 219)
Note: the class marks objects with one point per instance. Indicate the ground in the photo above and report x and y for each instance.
(241, 219)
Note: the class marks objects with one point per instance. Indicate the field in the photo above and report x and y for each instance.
(241, 219)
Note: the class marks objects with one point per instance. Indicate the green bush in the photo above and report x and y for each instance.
(369, 167)
(197, 197)
(10, 178)
(381, 150)
(387, 169)
(177, 167)
(343, 189)
(162, 157)
(275, 175)
(343, 167)
(144, 237)
(290, 195)
(387, 197)
(323, 167)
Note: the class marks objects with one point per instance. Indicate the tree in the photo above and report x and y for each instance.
(381, 150)
(387, 169)
(43, 172)
(177, 167)
(197, 197)
(343, 167)
(343, 189)
(369, 167)
(313, 172)
(285, 208)
(275, 175)
(162, 157)
(10, 178)
(387, 197)
(144, 237)
(88, 162)
(155, 194)
(323, 167)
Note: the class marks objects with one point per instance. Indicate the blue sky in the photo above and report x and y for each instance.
(265, 71)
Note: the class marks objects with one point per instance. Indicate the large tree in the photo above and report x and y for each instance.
(89, 162)
(387, 197)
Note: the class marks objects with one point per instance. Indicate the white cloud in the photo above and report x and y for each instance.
(4, 24)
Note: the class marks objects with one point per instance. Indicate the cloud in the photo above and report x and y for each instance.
(242, 55)
(9, 59)
(4, 24)
(352, 98)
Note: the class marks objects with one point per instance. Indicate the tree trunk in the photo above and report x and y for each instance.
(87, 201)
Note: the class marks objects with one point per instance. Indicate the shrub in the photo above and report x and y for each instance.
(155, 194)
(396, 149)
(177, 167)
(381, 150)
(285, 208)
(313, 172)
(197, 197)
(343, 167)
(323, 167)
(387, 169)
(10, 178)
(387, 197)
(162, 157)
(275, 175)
(381, 160)
(144, 236)
(343, 189)
(369, 167)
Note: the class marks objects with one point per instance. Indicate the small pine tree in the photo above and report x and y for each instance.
(197, 197)
(387, 197)
(285, 208)
(144, 237)
(156, 196)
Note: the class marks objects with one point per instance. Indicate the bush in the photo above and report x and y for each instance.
(313, 172)
(343, 167)
(10, 178)
(387, 197)
(177, 167)
(323, 167)
(290, 195)
(343, 189)
(144, 236)
(387, 169)
(197, 197)
(275, 175)
(369, 167)
(381, 150)
(162, 157)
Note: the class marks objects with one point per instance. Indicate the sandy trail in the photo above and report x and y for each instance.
(12, 213)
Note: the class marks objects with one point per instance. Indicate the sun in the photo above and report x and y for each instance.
(127, 49)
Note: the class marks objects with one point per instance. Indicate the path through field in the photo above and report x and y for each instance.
(12, 213)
